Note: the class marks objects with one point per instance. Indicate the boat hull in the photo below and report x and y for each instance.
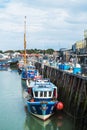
(42, 110)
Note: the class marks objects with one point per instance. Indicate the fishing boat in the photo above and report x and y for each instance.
(29, 72)
(20, 65)
(3, 68)
(42, 100)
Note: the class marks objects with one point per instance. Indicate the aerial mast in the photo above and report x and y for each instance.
(25, 40)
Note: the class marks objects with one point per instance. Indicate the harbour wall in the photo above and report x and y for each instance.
(72, 91)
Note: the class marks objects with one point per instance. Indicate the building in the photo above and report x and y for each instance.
(85, 39)
(79, 45)
(80, 49)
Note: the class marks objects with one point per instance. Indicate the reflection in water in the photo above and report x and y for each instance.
(56, 122)
(24, 92)
(23, 84)
(81, 124)
(33, 123)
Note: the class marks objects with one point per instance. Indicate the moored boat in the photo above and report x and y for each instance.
(20, 65)
(29, 72)
(42, 101)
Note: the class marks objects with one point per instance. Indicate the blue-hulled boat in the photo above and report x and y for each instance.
(29, 72)
(42, 101)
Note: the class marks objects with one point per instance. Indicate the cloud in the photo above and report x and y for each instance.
(13, 17)
(48, 22)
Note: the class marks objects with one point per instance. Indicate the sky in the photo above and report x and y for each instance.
(49, 23)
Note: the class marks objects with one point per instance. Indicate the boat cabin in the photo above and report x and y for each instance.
(44, 90)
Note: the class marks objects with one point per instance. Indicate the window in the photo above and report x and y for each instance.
(49, 94)
(45, 94)
(41, 94)
(36, 94)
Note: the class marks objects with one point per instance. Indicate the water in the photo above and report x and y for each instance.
(14, 116)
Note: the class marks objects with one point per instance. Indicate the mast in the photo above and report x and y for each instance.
(25, 41)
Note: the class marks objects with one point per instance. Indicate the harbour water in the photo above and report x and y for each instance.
(14, 116)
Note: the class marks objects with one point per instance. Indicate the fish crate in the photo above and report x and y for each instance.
(76, 70)
(66, 67)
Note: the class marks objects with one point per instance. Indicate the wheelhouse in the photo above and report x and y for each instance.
(44, 90)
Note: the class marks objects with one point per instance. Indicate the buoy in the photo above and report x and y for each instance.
(59, 106)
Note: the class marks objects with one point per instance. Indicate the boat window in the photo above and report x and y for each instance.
(41, 94)
(49, 94)
(36, 94)
(45, 94)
